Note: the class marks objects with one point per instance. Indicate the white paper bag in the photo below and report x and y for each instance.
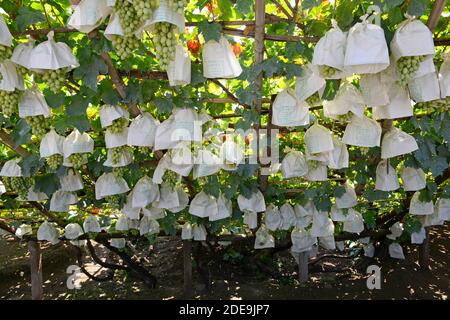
(186, 231)
(122, 223)
(413, 179)
(154, 213)
(302, 240)
(33, 195)
(362, 132)
(444, 76)
(203, 205)
(317, 171)
(425, 88)
(366, 50)
(51, 55)
(123, 160)
(164, 13)
(10, 78)
(338, 158)
(148, 226)
(179, 69)
(199, 232)
(294, 165)
(5, 35)
(224, 209)
(251, 219)
(73, 231)
(145, 192)
(302, 216)
(369, 250)
(206, 163)
(22, 53)
(386, 177)
(399, 105)
(322, 225)
(255, 203)
(289, 111)
(88, 15)
(71, 181)
(163, 137)
(263, 239)
(443, 209)
(48, 232)
(396, 251)
(142, 131)
(418, 207)
(23, 230)
(109, 113)
(318, 139)
(77, 142)
(418, 237)
(11, 168)
(347, 99)
(272, 217)
(187, 125)
(327, 243)
(51, 143)
(308, 83)
(114, 27)
(330, 51)
(61, 201)
(288, 218)
(373, 90)
(32, 103)
(219, 60)
(412, 38)
(396, 142)
(354, 222)
(118, 243)
(108, 184)
(91, 224)
(337, 214)
(231, 152)
(348, 199)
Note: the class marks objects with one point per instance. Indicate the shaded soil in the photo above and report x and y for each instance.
(236, 278)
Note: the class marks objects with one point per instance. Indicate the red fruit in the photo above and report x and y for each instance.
(247, 140)
(95, 211)
(193, 46)
(237, 49)
(224, 138)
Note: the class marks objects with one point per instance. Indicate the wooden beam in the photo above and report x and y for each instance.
(8, 140)
(436, 12)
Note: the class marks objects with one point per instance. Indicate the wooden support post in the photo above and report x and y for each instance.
(303, 258)
(424, 252)
(187, 265)
(36, 270)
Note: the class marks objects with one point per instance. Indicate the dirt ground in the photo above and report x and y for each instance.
(330, 278)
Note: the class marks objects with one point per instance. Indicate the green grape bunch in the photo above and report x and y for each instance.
(77, 160)
(144, 150)
(144, 9)
(9, 102)
(39, 125)
(116, 153)
(407, 68)
(124, 46)
(118, 171)
(54, 79)
(22, 70)
(20, 185)
(5, 52)
(118, 125)
(178, 5)
(165, 42)
(128, 15)
(327, 71)
(313, 100)
(440, 105)
(54, 161)
(113, 201)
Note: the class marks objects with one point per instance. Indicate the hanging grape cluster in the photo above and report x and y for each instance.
(5, 52)
(39, 125)
(178, 5)
(407, 68)
(144, 9)
(77, 160)
(118, 125)
(116, 153)
(441, 105)
(128, 16)
(327, 71)
(113, 201)
(118, 171)
(9, 101)
(165, 42)
(145, 150)
(20, 185)
(22, 70)
(54, 161)
(313, 100)
(53, 78)
(125, 46)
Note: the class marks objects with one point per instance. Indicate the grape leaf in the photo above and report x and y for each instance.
(417, 7)
(244, 6)
(27, 16)
(308, 4)
(47, 183)
(210, 30)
